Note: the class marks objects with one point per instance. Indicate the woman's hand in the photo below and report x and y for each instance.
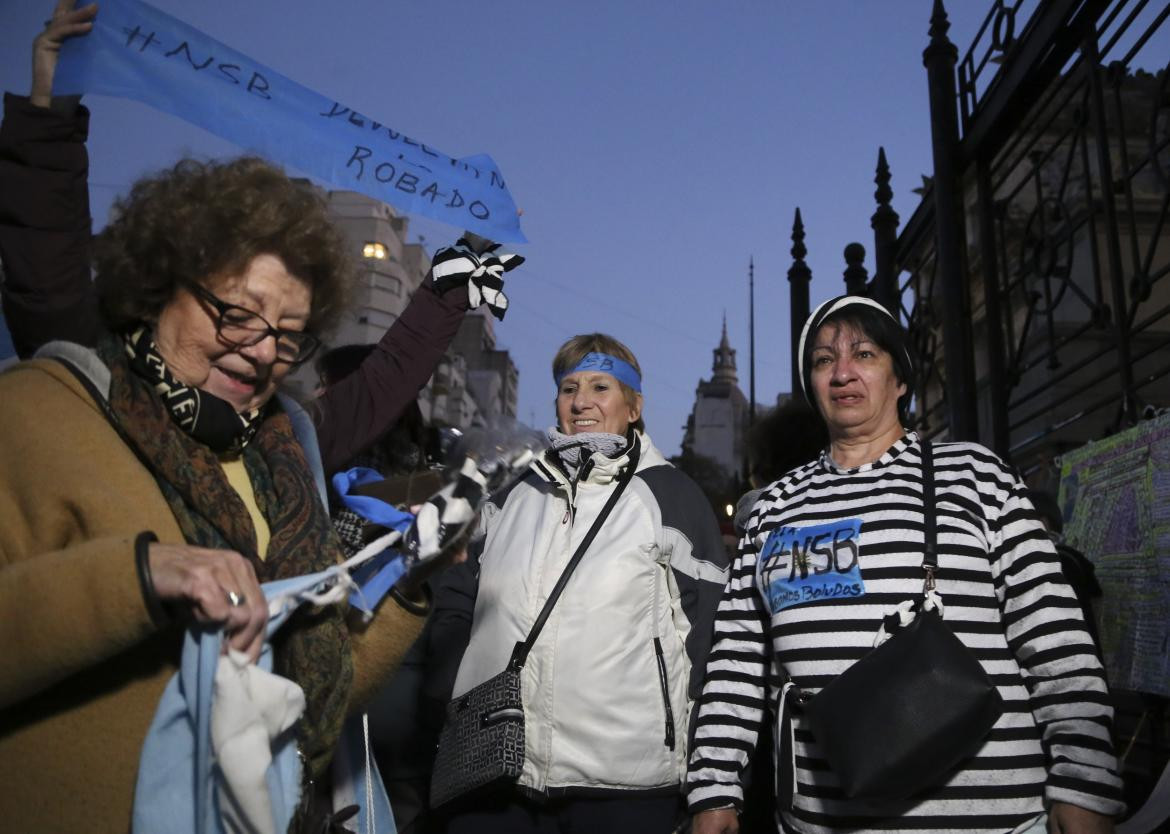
(1072, 819)
(214, 586)
(67, 22)
(717, 821)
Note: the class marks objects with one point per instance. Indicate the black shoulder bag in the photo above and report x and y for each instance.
(482, 741)
(900, 719)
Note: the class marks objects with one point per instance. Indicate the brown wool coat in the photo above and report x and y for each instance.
(81, 666)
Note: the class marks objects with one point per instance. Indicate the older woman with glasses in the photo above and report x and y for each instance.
(156, 478)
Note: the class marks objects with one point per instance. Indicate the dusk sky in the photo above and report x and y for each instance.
(654, 147)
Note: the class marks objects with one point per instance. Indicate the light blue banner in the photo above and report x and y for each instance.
(136, 51)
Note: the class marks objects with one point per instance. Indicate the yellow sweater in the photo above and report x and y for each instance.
(81, 666)
(237, 475)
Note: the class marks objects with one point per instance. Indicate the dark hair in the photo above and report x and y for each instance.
(574, 350)
(1048, 509)
(339, 362)
(881, 329)
(787, 437)
(200, 221)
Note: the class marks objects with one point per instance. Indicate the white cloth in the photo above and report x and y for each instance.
(251, 708)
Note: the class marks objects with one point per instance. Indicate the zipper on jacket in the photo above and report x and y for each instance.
(669, 740)
(582, 473)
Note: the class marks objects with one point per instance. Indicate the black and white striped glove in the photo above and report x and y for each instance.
(477, 263)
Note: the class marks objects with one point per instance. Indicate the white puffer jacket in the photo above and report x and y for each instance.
(610, 683)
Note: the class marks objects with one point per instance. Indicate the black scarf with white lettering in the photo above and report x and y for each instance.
(210, 420)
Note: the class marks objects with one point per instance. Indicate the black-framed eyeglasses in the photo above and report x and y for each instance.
(241, 327)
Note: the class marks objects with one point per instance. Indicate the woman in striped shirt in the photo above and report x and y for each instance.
(1048, 763)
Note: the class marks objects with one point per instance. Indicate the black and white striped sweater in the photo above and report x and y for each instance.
(820, 606)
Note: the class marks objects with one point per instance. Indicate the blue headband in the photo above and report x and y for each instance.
(619, 369)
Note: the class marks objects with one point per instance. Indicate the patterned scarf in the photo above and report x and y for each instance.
(313, 647)
(207, 418)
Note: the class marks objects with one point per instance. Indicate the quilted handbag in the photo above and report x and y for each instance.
(900, 719)
(482, 742)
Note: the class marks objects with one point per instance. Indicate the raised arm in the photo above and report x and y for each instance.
(353, 413)
(356, 411)
(44, 202)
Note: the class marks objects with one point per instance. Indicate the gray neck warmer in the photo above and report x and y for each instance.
(573, 449)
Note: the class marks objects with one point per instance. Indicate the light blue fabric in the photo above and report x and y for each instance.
(175, 791)
(350, 763)
(136, 51)
(368, 507)
(377, 576)
(306, 434)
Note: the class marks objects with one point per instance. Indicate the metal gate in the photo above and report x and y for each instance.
(1034, 274)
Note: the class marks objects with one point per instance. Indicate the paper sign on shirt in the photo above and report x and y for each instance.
(817, 563)
(136, 51)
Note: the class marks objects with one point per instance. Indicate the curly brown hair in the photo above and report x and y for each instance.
(200, 221)
(574, 350)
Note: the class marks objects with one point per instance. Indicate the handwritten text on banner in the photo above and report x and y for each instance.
(136, 51)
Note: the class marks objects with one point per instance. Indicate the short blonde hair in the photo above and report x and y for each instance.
(574, 350)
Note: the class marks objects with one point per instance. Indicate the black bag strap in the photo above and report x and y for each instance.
(929, 565)
(929, 520)
(520, 653)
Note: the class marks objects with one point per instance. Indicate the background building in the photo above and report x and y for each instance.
(490, 373)
(719, 420)
(389, 268)
(475, 382)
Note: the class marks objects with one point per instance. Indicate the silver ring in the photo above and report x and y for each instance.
(236, 600)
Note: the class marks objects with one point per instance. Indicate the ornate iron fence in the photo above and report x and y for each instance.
(1034, 274)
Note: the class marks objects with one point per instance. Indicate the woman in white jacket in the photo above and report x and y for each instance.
(610, 683)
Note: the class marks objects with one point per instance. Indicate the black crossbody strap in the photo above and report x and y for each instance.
(520, 653)
(929, 521)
